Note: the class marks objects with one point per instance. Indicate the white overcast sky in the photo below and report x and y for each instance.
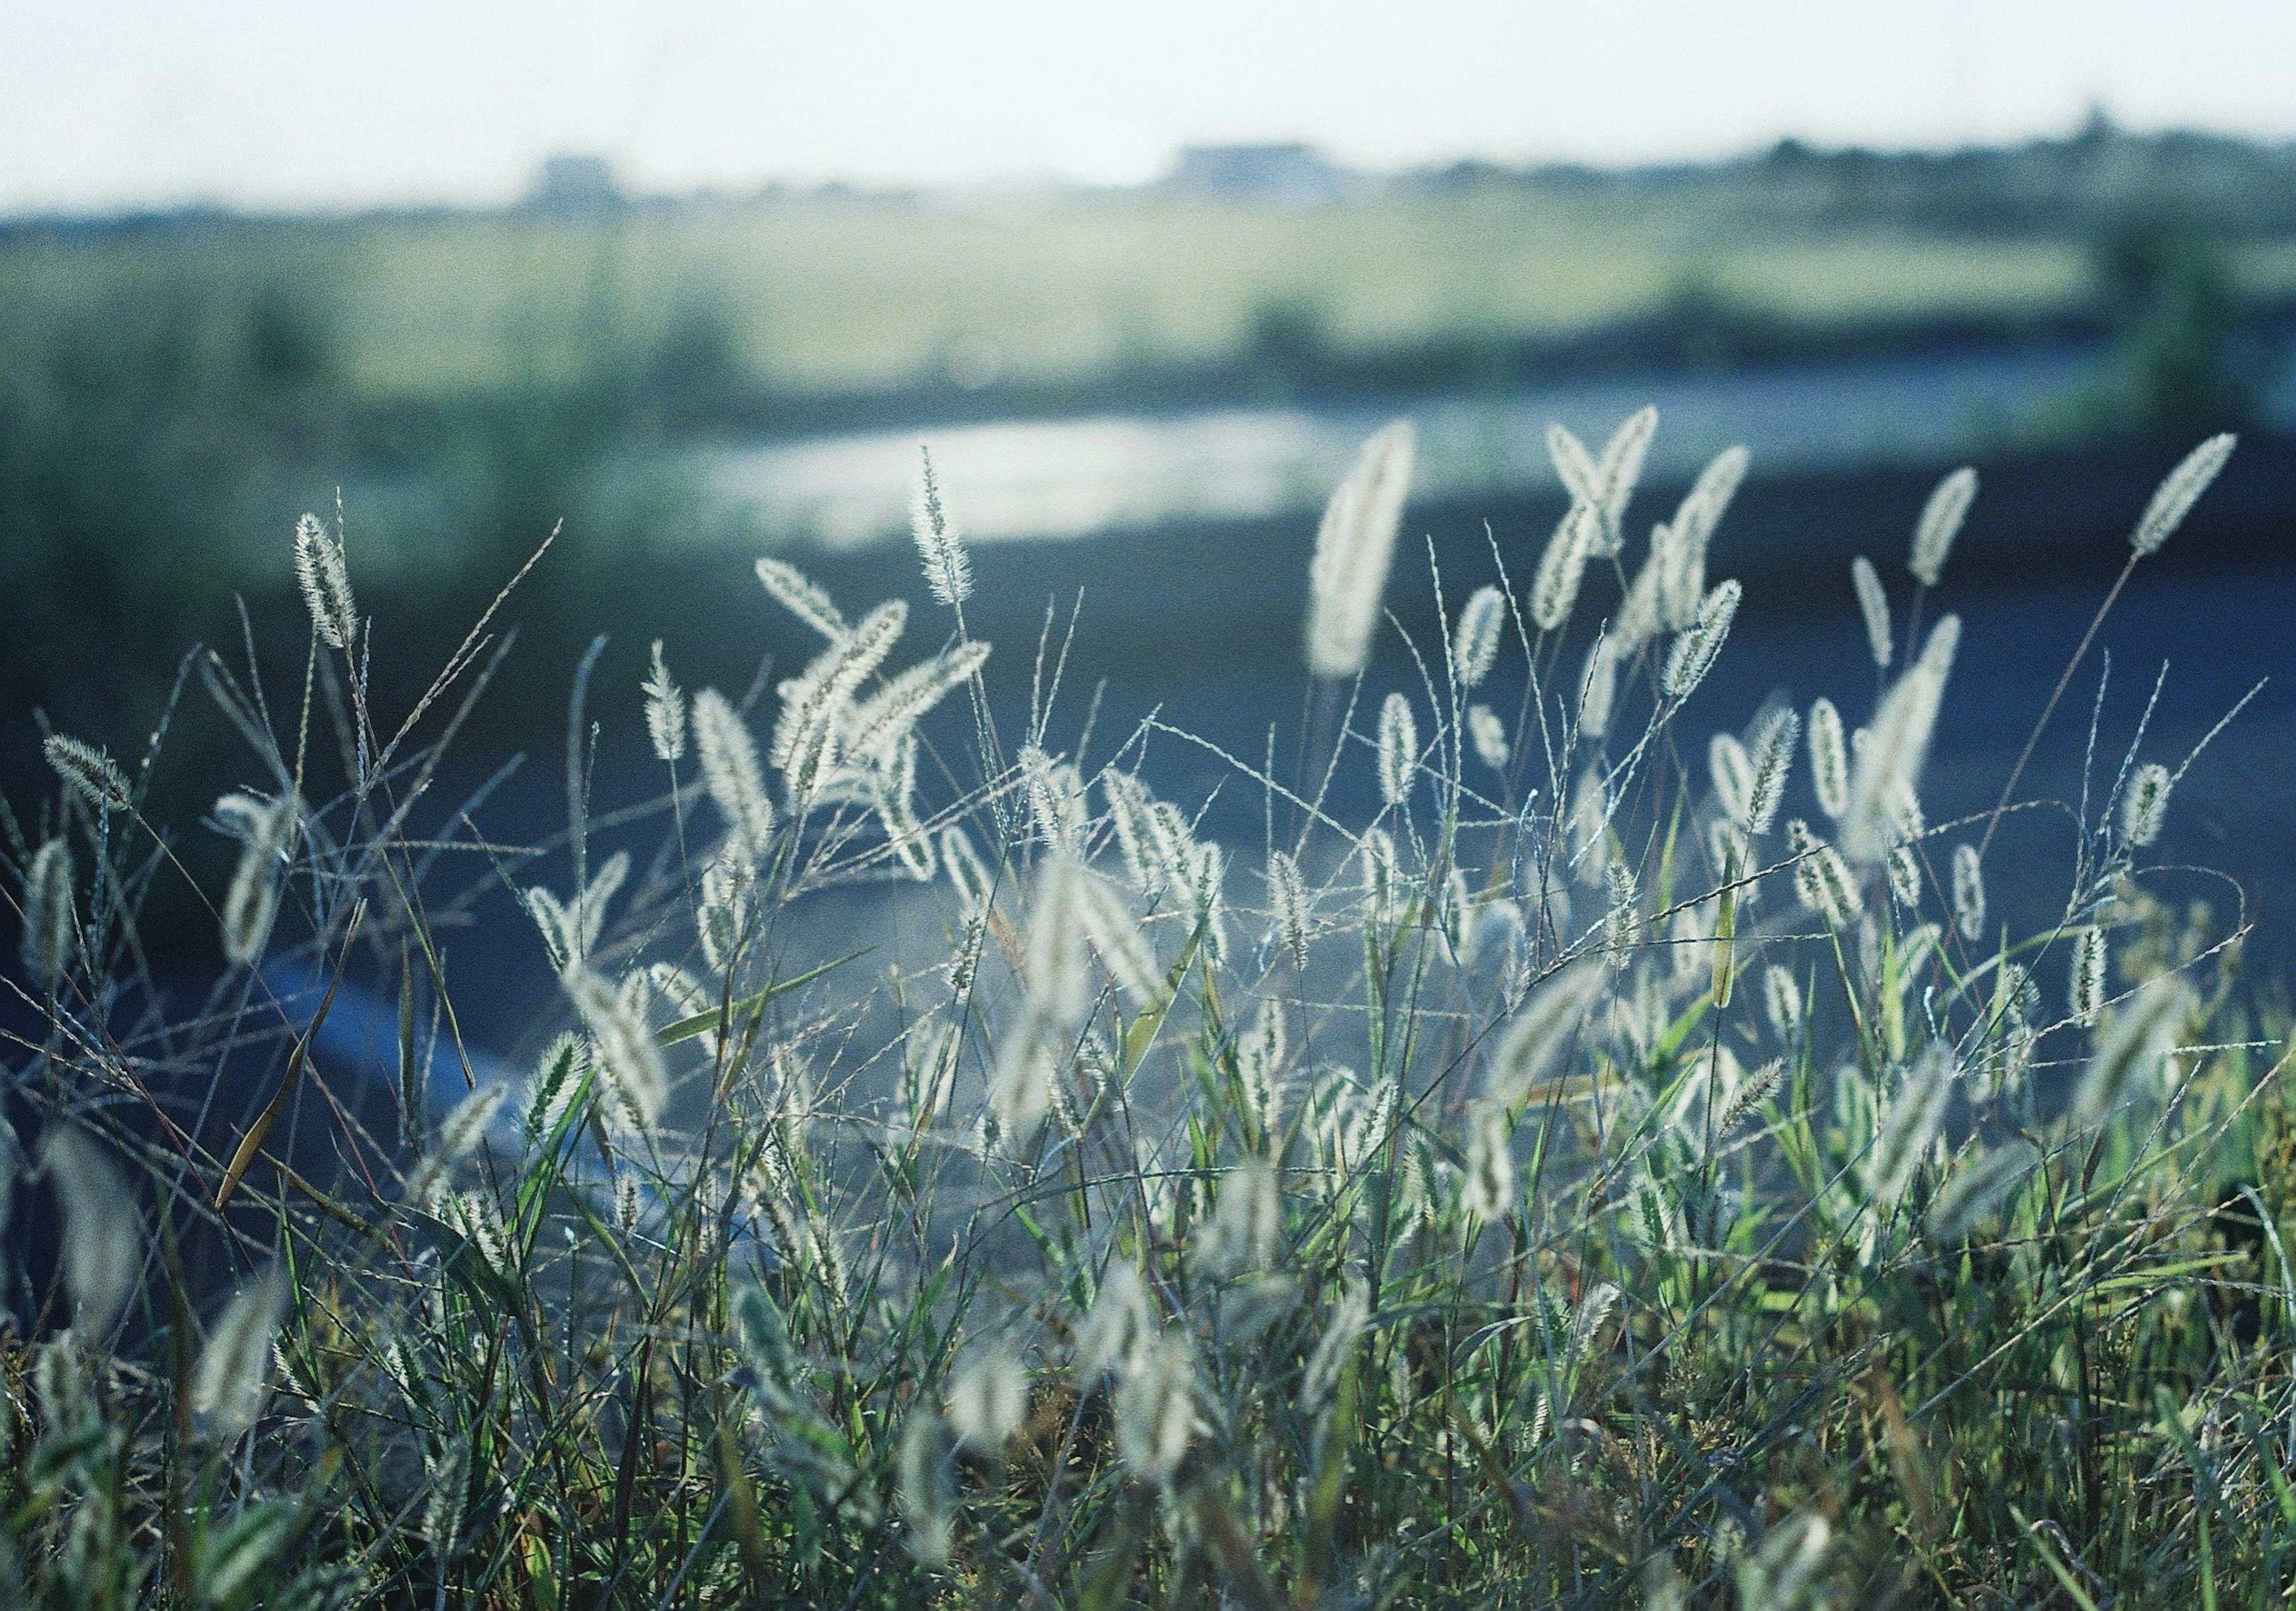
(326, 103)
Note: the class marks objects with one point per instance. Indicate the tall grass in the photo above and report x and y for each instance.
(1626, 1168)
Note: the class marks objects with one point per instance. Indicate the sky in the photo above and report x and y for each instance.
(323, 104)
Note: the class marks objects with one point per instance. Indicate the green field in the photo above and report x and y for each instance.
(808, 296)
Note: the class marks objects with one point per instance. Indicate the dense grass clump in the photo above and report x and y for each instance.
(1630, 1167)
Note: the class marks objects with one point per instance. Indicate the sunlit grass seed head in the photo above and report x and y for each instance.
(1475, 645)
(324, 577)
(1562, 568)
(2088, 976)
(1287, 898)
(1246, 1229)
(1398, 748)
(1909, 1124)
(1968, 893)
(1488, 1192)
(102, 1233)
(1698, 645)
(1939, 524)
(802, 597)
(1158, 1418)
(1732, 773)
(252, 901)
(233, 1375)
(1888, 770)
(1903, 870)
(51, 936)
(664, 709)
(1873, 605)
(628, 1063)
(1772, 766)
(1355, 547)
(987, 1400)
(1977, 1189)
(2145, 807)
(1829, 760)
(1598, 689)
(737, 783)
(949, 568)
(1822, 879)
(2174, 498)
(90, 773)
(2131, 1048)
(1488, 736)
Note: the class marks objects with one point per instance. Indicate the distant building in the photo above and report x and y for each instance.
(570, 183)
(1292, 173)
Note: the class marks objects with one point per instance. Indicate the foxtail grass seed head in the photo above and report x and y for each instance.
(1117, 937)
(1772, 764)
(1978, 1187)
(1822, 879)
(1829, 760)
(1287, 895)
(1246, 1229)
(802, 597)
(1475, 646)
(1904, 871)
(1488, 736)
(1782, 1002)
(987, 1401)
(1381, 877)
(1259, 1067)
(878, 725)
(1157, 1419)
(1335, 1350)
(1355, 547)
(103, 1234)
(557, 1081)
(925, 1487)
(233, 1374)
(721, 921)
(1968, 893)
(2174, 499)
(1488, 1189)
(252, 901)
(1121, 1323)
(2131, 1048)
(1698, 645)
(630, 1071)
(1781, 1575)
(1940, 523)
(729, 766)
(1542, 1029)
(1398, 748)
(1692, 529)
(1908, 1125)
(1598, 689)
(1732, 774)
(325, 580)
(2088, 976)
(51, 930)
(664, 709)
(1574, 466)
(1750, 1093)
(948, 569)
(1554, 588)
(92, 774)
(2145, 807)
(1889, 768)
(1874, 604)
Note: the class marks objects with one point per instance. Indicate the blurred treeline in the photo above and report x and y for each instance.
(174, 390)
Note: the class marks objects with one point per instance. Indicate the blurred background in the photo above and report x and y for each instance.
(696, 279)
